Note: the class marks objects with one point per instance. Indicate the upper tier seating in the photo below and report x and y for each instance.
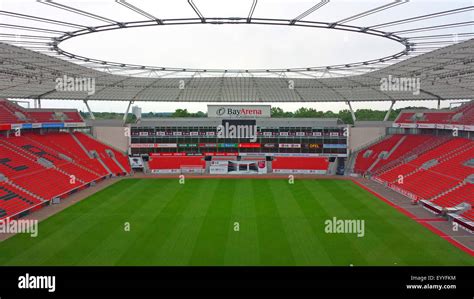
(463, 115)
(11, 113)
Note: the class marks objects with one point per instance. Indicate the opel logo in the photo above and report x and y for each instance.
(220, 111)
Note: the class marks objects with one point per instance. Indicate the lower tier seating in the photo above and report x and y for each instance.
(176, 162)
(464, 193)
(14, 200)
(438, 175)
(94, 145)
(36, 168)
(303, 163)
(469, 214)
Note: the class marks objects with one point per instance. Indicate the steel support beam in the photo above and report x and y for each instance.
(389, 111)
(352, 111)
(126, 112)
(89, 109)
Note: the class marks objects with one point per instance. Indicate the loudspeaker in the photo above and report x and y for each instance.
(332, 159)
(268, 158)
(208, 158)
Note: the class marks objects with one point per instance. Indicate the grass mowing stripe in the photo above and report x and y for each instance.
(343, 248)
(242, 246)
(137, 214)
(273, 241)
(303, 232)
(210, 245)
(178, 248)
(159, 228)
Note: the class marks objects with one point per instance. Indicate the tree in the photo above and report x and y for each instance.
(181, 113)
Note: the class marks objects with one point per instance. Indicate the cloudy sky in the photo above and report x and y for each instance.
(236, 46)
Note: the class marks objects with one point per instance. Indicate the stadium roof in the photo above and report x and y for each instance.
(439, 54)
(444, 74)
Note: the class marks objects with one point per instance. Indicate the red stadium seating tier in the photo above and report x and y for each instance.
(37, 150)
(362, 163)
(93, 144)
(7, 113)
(444, 117)
(48, 116)
(65, 143)
(48, 183)
(459, 149)
(409, 143)
(8, 116)
(14, 200)
(14, 163)
(303, 163)
(457, 196)
(19, 163)
(24, 171)
(427, 184)
(176, 162)
(469, 214)
(446, 177)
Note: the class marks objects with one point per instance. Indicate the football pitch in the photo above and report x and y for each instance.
(230, 222)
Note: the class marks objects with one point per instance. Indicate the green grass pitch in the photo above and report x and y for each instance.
(194, 224)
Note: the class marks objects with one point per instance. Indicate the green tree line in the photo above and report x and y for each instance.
(277, 112)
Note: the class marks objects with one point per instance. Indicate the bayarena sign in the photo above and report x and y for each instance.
(238, 111)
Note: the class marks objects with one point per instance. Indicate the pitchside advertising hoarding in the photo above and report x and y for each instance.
(238, 111)
(434, 126)
(238, 167)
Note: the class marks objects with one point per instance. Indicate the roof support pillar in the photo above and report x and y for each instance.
(89, 109)
(389, 111)
(352, 111)
(126, 112)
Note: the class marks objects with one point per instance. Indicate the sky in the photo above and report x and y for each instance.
(236, 46)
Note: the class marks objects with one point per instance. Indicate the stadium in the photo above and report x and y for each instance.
(238, 187)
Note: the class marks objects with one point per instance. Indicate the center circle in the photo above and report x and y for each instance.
(230, 46)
